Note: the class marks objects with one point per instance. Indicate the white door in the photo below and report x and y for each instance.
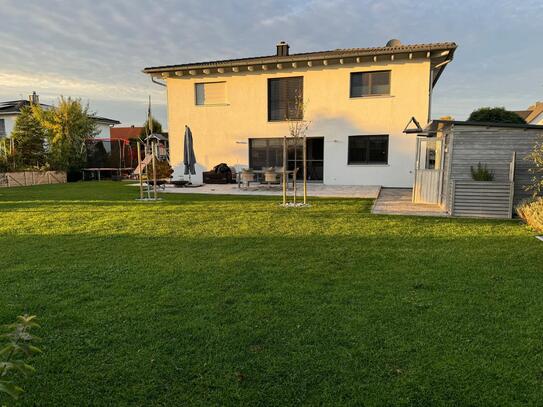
(428, 171)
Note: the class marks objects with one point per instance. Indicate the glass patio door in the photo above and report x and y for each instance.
(268, 152)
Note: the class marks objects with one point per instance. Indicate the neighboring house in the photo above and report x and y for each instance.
(104, 126)
(11, 109)
(359, 101)
(532, 115)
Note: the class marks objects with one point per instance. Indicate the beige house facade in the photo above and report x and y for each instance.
(358, 101)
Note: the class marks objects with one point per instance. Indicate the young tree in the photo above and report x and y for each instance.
(28, 137)
(297, 126)
(495, 115)
(68, 125)
(14, 353)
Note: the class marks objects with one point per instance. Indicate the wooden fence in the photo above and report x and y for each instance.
(482, 199)
(27, 178)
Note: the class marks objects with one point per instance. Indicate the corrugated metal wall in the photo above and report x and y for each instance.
(493, 146)
(477, 199)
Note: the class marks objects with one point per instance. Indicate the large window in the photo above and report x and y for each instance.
(284, 98)
(268, 152)
(2, 127)
(368, 150)
(370, 83)
(210, 93)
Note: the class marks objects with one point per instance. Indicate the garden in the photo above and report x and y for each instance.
(234, 300)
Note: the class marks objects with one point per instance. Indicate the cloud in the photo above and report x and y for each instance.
(97, 49)
(58, 85)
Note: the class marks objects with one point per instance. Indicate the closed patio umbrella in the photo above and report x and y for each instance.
(189, 159)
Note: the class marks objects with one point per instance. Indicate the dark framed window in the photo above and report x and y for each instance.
(2, 127)
(284, 98)
(370, 84)
(368, 150)
(268, 152)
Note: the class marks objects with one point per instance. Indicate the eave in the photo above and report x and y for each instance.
(436, 53)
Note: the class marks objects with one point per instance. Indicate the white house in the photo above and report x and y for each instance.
(9, 111)
(358, 100)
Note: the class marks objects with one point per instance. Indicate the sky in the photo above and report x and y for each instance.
(96, 50)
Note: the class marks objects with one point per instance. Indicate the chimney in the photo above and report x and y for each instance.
(282, 49)
(34, 98)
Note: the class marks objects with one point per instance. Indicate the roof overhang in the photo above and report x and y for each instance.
(439, 55)
(436, 126)
(105, 120)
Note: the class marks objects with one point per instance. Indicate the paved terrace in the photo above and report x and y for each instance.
(397, 201)
(388, 201)
(318, 190)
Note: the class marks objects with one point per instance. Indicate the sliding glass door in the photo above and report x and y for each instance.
(268, 152)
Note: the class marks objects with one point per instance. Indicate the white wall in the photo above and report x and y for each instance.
(221, 131)
(104, 130)
(397, 173)
(9, 123)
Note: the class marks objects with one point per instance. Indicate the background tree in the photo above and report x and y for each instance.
(28, 137)
(146, 130)
(7, 155)
(68, 125)
(495, 115)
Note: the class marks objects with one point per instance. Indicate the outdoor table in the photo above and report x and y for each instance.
(259, 173)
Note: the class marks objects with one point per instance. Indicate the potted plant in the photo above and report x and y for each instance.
(482, 173)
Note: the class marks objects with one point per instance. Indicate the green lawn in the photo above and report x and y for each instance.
(217, 300)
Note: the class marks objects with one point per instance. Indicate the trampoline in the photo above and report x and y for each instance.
(108, 158)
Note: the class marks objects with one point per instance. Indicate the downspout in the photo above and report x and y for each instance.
(431, 88)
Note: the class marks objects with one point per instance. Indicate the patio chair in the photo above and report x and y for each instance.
(247, 176)
(271, 176)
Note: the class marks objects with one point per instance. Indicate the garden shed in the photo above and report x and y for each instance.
(448, 150)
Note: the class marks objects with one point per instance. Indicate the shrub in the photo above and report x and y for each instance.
(495, 115)
(163, 170)
(481, 173)
(532, 214)
(536, 158)
(13, 354)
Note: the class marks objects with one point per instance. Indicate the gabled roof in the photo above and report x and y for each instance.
(105, 120)
(438, 52)
(523, 113)
(306, 56)
(14, 107)
(532, 112)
